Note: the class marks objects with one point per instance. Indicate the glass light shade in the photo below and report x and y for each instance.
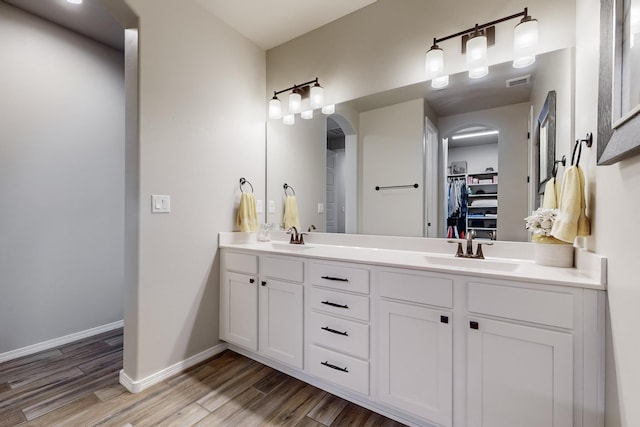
(289, 119)
(440, 82)
(316, 96)
(307, 111)
(525, 43)
(74, 1)
(275, 108)
(434, 63)
(329, 109)
(295, 103)
(477, 57)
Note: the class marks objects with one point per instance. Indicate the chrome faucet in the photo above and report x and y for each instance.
(470, 235)
(296, 238)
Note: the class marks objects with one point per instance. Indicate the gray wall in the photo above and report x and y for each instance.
(61, 182)
(202, 127)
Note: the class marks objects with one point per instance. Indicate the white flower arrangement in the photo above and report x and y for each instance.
(541, 221)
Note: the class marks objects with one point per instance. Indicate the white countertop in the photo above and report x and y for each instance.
(432, 255)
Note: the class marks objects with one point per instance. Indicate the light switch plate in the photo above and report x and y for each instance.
(272, 206)
(160, 203)
(259, 206)
(320, 208)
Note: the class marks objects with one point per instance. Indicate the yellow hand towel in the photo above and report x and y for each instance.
(572, 220)
(247, 213)
(550, 200)
(290, 217)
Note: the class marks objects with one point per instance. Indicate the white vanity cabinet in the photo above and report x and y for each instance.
(429, 347)
(239, 299)
(415, 343)
(528, 355)
(339, 324)
(262, 305)
(281, 309)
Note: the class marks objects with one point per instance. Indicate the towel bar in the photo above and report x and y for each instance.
(378, 188)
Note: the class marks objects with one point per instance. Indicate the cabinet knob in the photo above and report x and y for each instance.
(444, 319)
(473, 325)
(263, 283)
(252, 280)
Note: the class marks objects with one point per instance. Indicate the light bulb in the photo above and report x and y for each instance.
(307, 111)
(525, 42)
(74, 1)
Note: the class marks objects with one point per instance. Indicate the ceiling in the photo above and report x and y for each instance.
(271, 23)
(265, 23)
(90, 19)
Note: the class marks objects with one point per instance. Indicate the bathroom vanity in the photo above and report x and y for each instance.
(400, 326)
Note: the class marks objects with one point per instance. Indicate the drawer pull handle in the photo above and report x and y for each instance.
(337, 368)
(252, 280)
(473, 325)
(263, 283)
(333, 304)
(336, 279)
(333, 331)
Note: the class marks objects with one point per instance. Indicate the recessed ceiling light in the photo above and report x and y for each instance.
(74, 1)
(474, 134)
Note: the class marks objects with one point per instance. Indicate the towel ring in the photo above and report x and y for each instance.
(555, 165)
(288, 187)
(244, 181)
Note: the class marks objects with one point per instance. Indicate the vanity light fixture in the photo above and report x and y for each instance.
(303, 99)
(475, 42)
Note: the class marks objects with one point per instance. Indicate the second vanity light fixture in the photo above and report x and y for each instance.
(525, 42)
(303, 99)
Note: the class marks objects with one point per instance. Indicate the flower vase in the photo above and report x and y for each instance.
(552, 252)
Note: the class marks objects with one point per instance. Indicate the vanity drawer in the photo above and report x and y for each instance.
(349, 305)
(530, 305)
(416, 287)
(342, 335)
(343, 277)
(242, 263)
(340, 369)
(282, 268)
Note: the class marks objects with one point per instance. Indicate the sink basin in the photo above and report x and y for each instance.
(481, 264)
(281, 246)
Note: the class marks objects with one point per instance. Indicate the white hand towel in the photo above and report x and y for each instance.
(550, 200)
(247, 213)
(572, 219)
(290, 217)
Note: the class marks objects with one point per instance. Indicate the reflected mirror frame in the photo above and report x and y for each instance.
(548, 117)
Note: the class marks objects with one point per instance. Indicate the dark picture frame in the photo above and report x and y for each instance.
(618, 135)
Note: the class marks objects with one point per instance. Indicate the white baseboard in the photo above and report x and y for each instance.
(136, 386)
(56, 342)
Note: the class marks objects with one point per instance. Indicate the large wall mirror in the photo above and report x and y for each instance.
(406, 141)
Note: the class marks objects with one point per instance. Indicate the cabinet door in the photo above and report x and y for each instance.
(415, 353)
(281, 321)
(239, 309)
(518, 376)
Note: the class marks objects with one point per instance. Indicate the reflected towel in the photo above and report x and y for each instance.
(290, 217)
(572, 220)
(247, 213)
(550, 200)
(484, 203)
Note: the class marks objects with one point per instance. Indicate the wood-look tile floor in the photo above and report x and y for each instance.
(77, 385)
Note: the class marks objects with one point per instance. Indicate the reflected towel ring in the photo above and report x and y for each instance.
(244, 181)
(288, 187)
